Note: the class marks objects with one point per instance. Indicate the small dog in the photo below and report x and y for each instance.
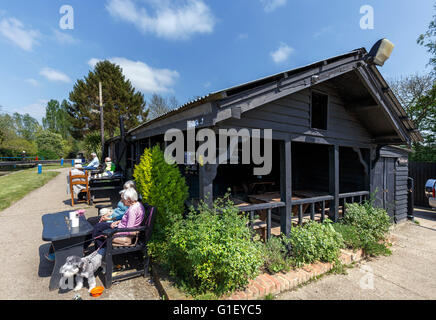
(82, 268)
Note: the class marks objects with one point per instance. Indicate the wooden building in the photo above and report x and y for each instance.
(333, 123)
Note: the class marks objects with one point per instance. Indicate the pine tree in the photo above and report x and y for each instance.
(119, 98)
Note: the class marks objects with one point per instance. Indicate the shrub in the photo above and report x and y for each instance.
(365, 227)
(212, 251)
(50, 145)
(315, 242)
(276, 255)
(162, 186)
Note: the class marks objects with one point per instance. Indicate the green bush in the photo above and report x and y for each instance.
(315, 242)
(212, 251)
(162, 186)
(276, 255)
(373, 222)
(50, 145)
(365, 227)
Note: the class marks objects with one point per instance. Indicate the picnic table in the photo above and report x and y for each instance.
(269, 197)
(106, 187)
(66, 240)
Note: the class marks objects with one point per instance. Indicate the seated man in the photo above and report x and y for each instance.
(93, 165)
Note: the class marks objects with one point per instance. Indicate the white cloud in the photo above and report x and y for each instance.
(271, 5)
(33, 82)
(36, 110)
(282, 53)
(323, 31)
(54, 75)
(13, 29)
(64, 38)
(144, 77)
(168, 21)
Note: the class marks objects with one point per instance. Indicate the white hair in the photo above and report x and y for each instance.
(130, 195)
(93, 154)
(108, 159)
(129, 184)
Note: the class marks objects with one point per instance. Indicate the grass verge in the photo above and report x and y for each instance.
(15, 186)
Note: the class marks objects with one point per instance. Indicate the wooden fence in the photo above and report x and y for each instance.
(420, 172)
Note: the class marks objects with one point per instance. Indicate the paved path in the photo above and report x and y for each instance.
(24, 271)
(409, 273)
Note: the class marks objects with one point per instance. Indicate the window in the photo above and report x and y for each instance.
(318, 115)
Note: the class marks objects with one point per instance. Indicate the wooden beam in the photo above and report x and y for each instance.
(207, 174)
(334, 182)
(286, 186)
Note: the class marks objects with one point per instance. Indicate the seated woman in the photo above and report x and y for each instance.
(131, 219)
(109, 215)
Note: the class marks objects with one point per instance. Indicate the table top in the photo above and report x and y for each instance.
(269, 197)
(56, 226)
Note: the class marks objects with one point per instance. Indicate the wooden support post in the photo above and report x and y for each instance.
(207, 174)
(286, 186)
(334, 182)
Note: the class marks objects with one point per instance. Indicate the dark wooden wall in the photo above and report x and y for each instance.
(421, 172)
(291, 115)
(401, 175)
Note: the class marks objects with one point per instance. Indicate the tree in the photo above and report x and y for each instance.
(417, 94)
(57, 119)
(50, 145)
(159, 105)
(119, 98)
(26, 126)
(428, 40)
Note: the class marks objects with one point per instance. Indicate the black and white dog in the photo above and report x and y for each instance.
(82, 268)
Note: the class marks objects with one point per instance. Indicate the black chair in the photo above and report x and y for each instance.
(138, 244)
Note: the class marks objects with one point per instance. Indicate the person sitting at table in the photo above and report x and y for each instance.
(109, 167)
(109, 215)
(93, 165)
(77, 171)
(131, 219)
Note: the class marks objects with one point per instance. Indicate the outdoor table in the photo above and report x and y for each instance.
(274, 197)
(105, 187)
(66, 241)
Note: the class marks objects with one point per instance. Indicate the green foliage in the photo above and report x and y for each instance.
(161, 185)
(119, 97)
(25, 126)
(315, 242)
(56, 118)
(212, 251)
(365, 227)
(373, 223)
(50, 145)
(428, 40)
(276, 255)
(13, 147)
(92, 143)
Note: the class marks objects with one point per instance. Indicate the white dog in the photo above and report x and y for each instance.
(82, 268)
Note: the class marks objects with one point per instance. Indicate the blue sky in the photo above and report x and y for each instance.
(189, 48)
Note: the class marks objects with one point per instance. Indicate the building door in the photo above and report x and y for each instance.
(384, 181)
(389, 186)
